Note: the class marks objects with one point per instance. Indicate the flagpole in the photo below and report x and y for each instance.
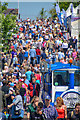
(18, 9)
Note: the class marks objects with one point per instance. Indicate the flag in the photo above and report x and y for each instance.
(64, 18)
(64, 13)
(58, 13)
(71, 5)
(57, 9)
(59, 16)
(65, 22)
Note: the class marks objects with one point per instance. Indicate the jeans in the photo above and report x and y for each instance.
(38, 59)
(31, 60)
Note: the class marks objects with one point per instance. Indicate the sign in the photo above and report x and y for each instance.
(70, 98)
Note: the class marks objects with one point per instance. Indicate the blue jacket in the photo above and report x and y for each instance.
(32, 53)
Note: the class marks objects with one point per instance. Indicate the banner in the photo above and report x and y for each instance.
(71, 5)
(57, 8)
(59, 16)
(64, 18)
(58, 13)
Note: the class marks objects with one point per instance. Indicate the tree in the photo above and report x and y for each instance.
(53, 13)
(43, 13)
(62, 5)
(8, 24)
(65, 5)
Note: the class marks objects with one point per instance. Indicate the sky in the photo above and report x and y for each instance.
(39, 0)
(31, 9)
(28, 0)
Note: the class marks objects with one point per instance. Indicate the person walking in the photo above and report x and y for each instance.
(34, 88)
(49, 110)
(32, 53)
(17, 107)
(75, 114)
(38, 53)
(32, 107)
(61, 109)
(38, 114)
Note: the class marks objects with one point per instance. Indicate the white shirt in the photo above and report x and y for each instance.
(64, 45)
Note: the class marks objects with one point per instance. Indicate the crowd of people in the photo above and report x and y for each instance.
(38, 43)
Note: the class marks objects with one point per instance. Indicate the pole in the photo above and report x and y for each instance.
(53, 87)
(18, 9)
(71, 79)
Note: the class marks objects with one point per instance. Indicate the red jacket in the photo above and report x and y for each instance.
(38, 52)
(37, 89)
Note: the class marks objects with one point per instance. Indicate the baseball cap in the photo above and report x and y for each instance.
(47, 97)
(11, 84)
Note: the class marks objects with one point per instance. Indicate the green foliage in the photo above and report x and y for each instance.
(62, 5)
(8, 24)
(4, 6)
(52, 12)
(43, 13)
(65, 5)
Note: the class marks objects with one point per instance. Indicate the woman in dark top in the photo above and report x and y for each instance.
(38, 114)
(17, 107)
